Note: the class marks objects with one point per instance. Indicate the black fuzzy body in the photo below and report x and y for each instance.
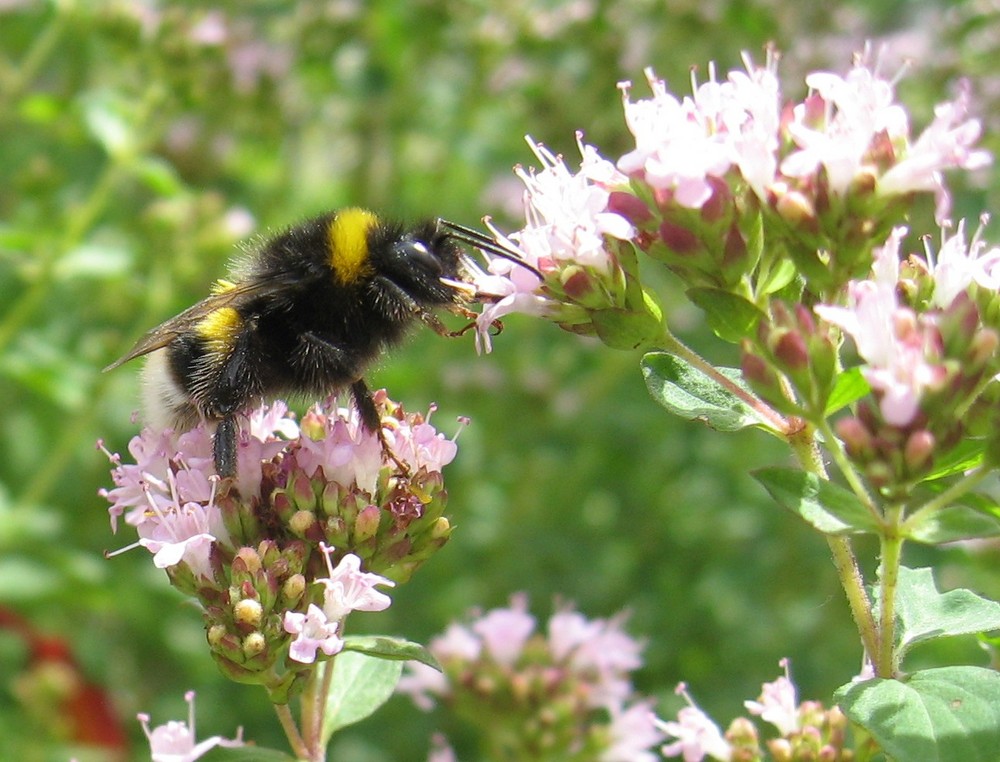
(298, 317)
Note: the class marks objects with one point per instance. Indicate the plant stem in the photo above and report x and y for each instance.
(836, 448)
(768, 415)
(291, 731)
(803, 444)
(892, 549)
(854, 588)
(324, 695)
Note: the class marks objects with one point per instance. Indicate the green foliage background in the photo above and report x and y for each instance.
(140, 141)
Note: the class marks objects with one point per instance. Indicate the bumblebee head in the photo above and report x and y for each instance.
(424, 262)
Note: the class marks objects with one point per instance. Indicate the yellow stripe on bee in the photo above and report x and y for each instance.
(219, 328)
(222, 285)
(347, 239)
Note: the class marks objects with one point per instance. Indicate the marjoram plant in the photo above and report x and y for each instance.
(788, 224)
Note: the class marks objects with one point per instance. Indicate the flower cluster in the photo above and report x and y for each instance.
(806, 731)
(253, 549)
(563, 694)
(711, 172)
(927, 353)
(578, 242)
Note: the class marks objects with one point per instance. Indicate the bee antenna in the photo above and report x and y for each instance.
(484, 243)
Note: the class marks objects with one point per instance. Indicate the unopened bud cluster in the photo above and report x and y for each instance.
(957, 359)
(793, 363)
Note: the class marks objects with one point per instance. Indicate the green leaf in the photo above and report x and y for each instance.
(633, 327)
(383, 647)
(110, 118)
(690, 394)
(828, 507)
(925, 614)
(160, 176)
(849, 387)
(731, 317)
(955, 522)
(753, 226)
(964, 456)
(361, 684)
(781, 274)
(937, 715)
(246, 754)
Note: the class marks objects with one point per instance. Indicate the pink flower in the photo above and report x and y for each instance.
(175, 741)
(176, 530)
(676, 146)
(268, 430)
(855, 109)
(599, 648)
(957, 265)
(695, 733)
(633, 730)
(682, 143)
(418, 443)
(350, 589)
(441, 751)
(458, 642)
(778, 703)
(505, 631)
(342, 447)
(313, 631)
(892, 341)
(567, 219)
(420, 682)
(945, 144)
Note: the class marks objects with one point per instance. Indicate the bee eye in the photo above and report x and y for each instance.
(415, 254)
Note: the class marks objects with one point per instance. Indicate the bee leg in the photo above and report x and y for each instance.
(224, 446)
(371, 420)
(431, 321)
(363, 401)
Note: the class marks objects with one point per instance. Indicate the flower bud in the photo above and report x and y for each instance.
(678, 239)
(248, 612)
(367, 523)
(983, 347)
(856, 438)
(301, 522)
(630, 207)
(282, 505)
(781, 749)
(254, 644)
(919, 450)
(828, 753)
(292, 590)
(879, 474)
(790, 350)
(335, 529)
(798, 211)
(742, 732)
(300, 490)
(718, 203)
(247, 560)
(865, 180)
(441, 529)
(313, 426)
(215, 634)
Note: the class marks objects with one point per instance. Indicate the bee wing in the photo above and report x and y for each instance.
(166, 332)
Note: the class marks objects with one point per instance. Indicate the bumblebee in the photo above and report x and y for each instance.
(306, 313)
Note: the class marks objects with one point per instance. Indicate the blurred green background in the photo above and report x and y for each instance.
(141, 141)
